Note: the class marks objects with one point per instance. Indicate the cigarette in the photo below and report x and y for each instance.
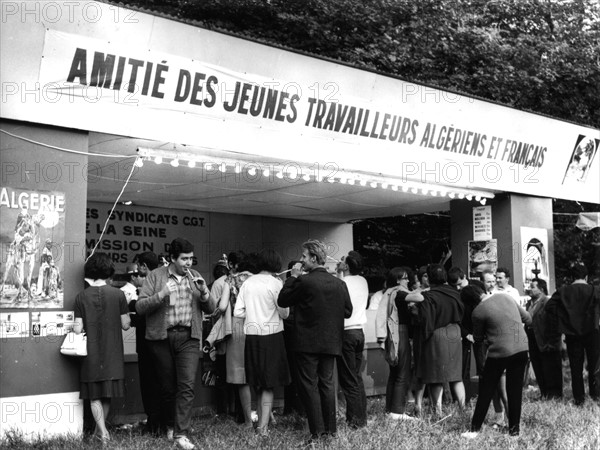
(333, 259)
(285, 271)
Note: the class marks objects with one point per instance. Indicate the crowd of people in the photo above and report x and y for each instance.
(271, 333)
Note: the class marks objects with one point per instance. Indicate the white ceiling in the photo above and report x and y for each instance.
(164, 186)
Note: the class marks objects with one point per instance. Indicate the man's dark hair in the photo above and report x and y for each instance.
(269, 260)
(249, 263)
(436, 274)
(179, 246)
(471, 294)
(219, 270)
(504, 270)
(578, 271)
(234, 258)
(541, 284)
(477, 283)
(454, 275)
(150, 259)
(99, 267)
(354, 262)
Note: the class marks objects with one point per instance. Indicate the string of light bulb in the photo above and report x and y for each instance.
(293, 171)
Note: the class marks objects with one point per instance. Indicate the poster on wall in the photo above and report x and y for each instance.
(534, 247)
(14, 325)
(51, 323)
(131, 230)
(483, 255)
(581, 160)
(32, 233)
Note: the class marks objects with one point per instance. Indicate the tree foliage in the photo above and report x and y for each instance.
(537, 55)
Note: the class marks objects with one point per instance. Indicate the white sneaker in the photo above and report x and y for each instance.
(170, 434)
(470, 434)
(395, 416)
(184, 443)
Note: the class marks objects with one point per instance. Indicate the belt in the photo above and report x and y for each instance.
(179, 328)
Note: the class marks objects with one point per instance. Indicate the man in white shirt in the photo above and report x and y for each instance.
(135, 281)
(502, 284)
(350, 361)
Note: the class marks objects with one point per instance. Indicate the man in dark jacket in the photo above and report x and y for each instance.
(544, 347)
(573, 311)
(321, 302)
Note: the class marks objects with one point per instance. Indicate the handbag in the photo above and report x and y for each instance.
(74, 344)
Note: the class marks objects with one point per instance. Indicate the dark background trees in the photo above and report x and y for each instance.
(536, 55)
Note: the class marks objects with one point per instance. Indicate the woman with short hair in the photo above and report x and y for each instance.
(264, 355)
(101, 311)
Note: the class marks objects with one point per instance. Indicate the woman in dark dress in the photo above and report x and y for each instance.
(101, 312)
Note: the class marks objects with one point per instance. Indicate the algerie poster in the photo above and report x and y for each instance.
(32, 233)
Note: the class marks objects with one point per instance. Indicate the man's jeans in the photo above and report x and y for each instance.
(176, 361)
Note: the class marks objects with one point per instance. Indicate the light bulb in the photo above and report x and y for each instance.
(191, 164)
(158, 160)
(175, 162)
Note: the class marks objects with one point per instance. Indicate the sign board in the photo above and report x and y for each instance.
(131, 230)
(482, 223)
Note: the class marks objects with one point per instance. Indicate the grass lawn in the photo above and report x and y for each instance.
(544, 425)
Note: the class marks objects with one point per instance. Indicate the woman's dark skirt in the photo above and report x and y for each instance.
(266, 361)
(95, 390)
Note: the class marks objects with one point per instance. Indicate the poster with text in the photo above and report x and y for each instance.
(483, 255)
(32, 233)
(131, 230)
(534, 248)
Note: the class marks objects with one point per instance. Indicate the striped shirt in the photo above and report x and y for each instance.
(181, 312)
